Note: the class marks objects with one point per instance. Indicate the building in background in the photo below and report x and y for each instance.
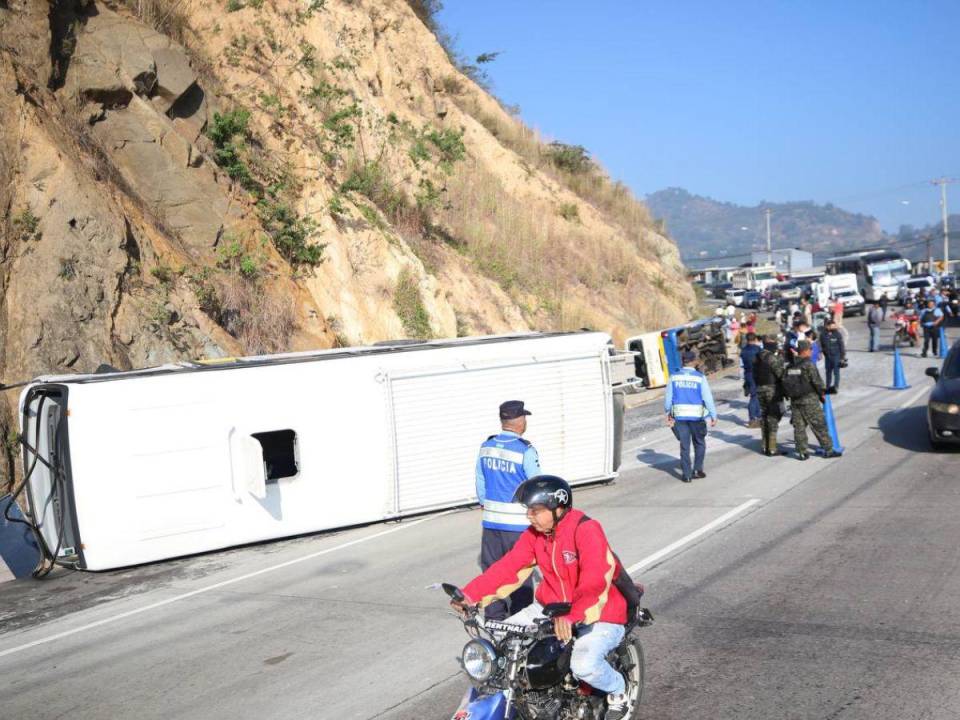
(786, 261)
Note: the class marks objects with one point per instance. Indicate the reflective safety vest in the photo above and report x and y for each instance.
(687, 396)
(501, 463)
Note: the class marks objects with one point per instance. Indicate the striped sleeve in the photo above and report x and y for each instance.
(506, 574)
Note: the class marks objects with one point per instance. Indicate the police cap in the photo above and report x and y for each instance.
(512, 409)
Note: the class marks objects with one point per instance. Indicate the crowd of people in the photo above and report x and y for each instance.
(784, 368)
(925, 315)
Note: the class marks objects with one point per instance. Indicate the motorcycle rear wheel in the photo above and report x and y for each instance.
(631, 664)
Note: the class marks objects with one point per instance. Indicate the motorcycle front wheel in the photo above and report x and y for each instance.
(633, 669)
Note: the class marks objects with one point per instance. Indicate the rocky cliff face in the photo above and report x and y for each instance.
(213, 177)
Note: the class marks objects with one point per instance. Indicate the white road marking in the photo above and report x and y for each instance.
(663, 552)
(913, 398)
(215, 586)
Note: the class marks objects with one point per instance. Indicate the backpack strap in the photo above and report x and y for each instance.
(622, 581)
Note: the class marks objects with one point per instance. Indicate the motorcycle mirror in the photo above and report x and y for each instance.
(553, 610)
(933, 372)
(453, 591)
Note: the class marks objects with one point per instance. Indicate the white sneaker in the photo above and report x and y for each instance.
(617, 707)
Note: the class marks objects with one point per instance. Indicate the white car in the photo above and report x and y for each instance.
(909, 289)
(853, 303)
(735, 295)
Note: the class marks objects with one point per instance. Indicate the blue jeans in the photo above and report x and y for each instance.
(691, 431)
(832, 368)
(589, 659)
(753, 406)
(874, 337)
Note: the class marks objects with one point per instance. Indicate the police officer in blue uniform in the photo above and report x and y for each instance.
(688, 403)
(505, 461)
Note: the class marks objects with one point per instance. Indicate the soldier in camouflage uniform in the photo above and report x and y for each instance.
(767, 372)
(803, 385)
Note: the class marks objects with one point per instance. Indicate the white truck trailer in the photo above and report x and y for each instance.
(757, 277)
(131, 467)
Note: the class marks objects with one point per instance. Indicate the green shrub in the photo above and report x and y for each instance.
(574, 159)
(449, 143)
(408, 304)
(308, 56)
(272, 102)
(164, 274)
(289, 233)
(569, 212)
(340, 125)
(324, 91)
(27, 225)
(343, 63)
(419, 152)
(207, 296)
(428, 195)
(234, 5)
(68, 269)
(228, 132)
(371, 181)
(371, 216)
(227, 126)
(336, 206)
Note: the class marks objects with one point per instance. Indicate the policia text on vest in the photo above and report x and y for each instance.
(688, 402)
(504, 462)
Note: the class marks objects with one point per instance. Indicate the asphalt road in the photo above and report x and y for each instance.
(827, 593)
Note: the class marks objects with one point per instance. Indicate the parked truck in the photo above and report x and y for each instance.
(843, 288)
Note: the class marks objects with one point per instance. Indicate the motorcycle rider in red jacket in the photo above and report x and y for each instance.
(578, 567)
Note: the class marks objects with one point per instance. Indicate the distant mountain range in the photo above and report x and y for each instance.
(709, 230)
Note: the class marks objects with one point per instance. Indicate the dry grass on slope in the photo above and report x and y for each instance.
(571, 166)
(562, 273)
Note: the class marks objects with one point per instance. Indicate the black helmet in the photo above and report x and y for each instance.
(548, 490)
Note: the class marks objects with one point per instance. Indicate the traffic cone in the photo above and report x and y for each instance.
(943, 342)
(831, 424)
(899, 379)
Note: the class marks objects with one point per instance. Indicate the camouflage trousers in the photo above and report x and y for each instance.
(769, 416)
(808, 411)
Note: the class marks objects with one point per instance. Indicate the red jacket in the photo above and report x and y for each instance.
(577, 564)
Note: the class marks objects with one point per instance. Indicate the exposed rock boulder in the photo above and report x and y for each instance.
(174, 75)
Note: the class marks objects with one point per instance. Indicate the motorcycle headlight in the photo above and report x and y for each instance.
(948, 408)
(479, 658)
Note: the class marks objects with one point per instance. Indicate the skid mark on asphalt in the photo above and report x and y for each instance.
(278, 659)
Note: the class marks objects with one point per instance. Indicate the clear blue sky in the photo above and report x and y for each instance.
(843, 101)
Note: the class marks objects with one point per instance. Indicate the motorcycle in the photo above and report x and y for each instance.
(905, 330)
(523, 672)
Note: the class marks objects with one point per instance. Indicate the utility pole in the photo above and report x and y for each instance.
(943, 182)
(769, 252)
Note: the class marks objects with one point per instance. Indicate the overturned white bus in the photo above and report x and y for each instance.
(130, 467)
